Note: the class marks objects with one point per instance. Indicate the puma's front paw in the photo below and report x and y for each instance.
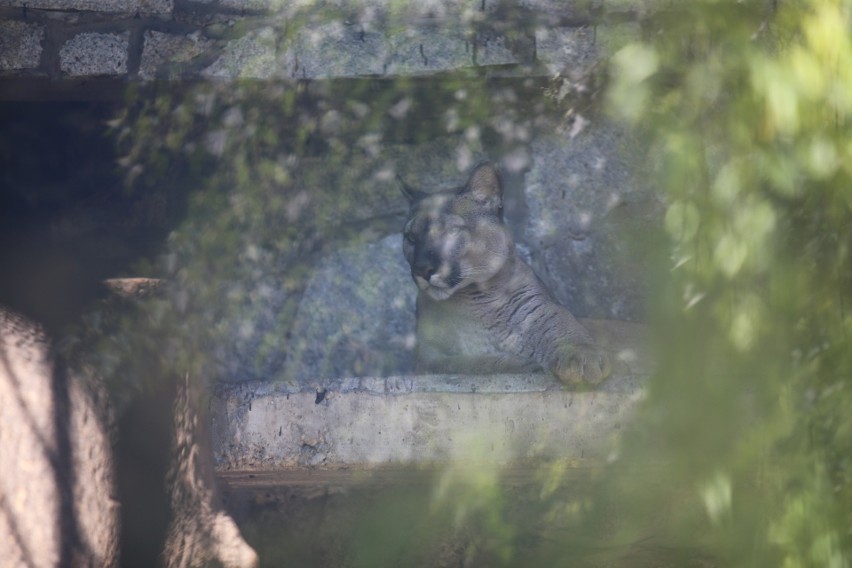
(585, 363)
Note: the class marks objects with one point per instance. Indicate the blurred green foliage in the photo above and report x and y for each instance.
(745, 108)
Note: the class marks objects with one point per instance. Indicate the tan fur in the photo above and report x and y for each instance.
(480, 308)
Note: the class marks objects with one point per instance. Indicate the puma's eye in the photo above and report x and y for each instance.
(455, 229)
(454, 225)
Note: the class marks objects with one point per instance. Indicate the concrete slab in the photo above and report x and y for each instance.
(372, 421)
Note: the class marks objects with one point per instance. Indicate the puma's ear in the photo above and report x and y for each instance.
(410, 193)
(484, 187)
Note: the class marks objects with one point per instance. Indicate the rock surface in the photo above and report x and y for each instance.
(585, 210)
(356, 317)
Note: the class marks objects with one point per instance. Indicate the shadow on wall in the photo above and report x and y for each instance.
(59, 505)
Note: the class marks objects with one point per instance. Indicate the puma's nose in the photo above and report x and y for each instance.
(425, 266)
(425, 271)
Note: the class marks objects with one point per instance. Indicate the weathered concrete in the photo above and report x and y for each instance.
(423, 419)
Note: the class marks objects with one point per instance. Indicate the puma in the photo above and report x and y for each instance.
(480, 308)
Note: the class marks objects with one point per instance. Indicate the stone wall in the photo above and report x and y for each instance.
(291, 39)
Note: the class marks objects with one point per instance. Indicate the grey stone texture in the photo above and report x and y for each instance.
(418, 51)
(251, 4)
(492, 49)
(567, 51)
(564, 8)
(89, 54)
(362, 11)
(586, 216)
(335, 49)
(20, 45)
(422, 51)
(368, 186)
(356, 317)
(252, 56)
(108, 6)
(163, 55)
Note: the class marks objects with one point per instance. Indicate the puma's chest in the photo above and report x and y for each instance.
(458, 326)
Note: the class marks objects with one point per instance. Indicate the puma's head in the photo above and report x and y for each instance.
(456, 238)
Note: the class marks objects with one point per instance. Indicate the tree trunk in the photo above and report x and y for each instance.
(57, 486)
(201, 531)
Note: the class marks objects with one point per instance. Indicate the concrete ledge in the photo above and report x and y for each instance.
(261, 431)
(425, 419)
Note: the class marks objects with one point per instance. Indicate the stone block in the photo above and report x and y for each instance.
(110, 6)
(360, 11)
(251, 5)
(252, 56)
(570, 52)
(20, 45)
(569, 9)
(493, 49)
(587, 216)
(89, 54)
(163, 55)
(335, 49)
(423, 51)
